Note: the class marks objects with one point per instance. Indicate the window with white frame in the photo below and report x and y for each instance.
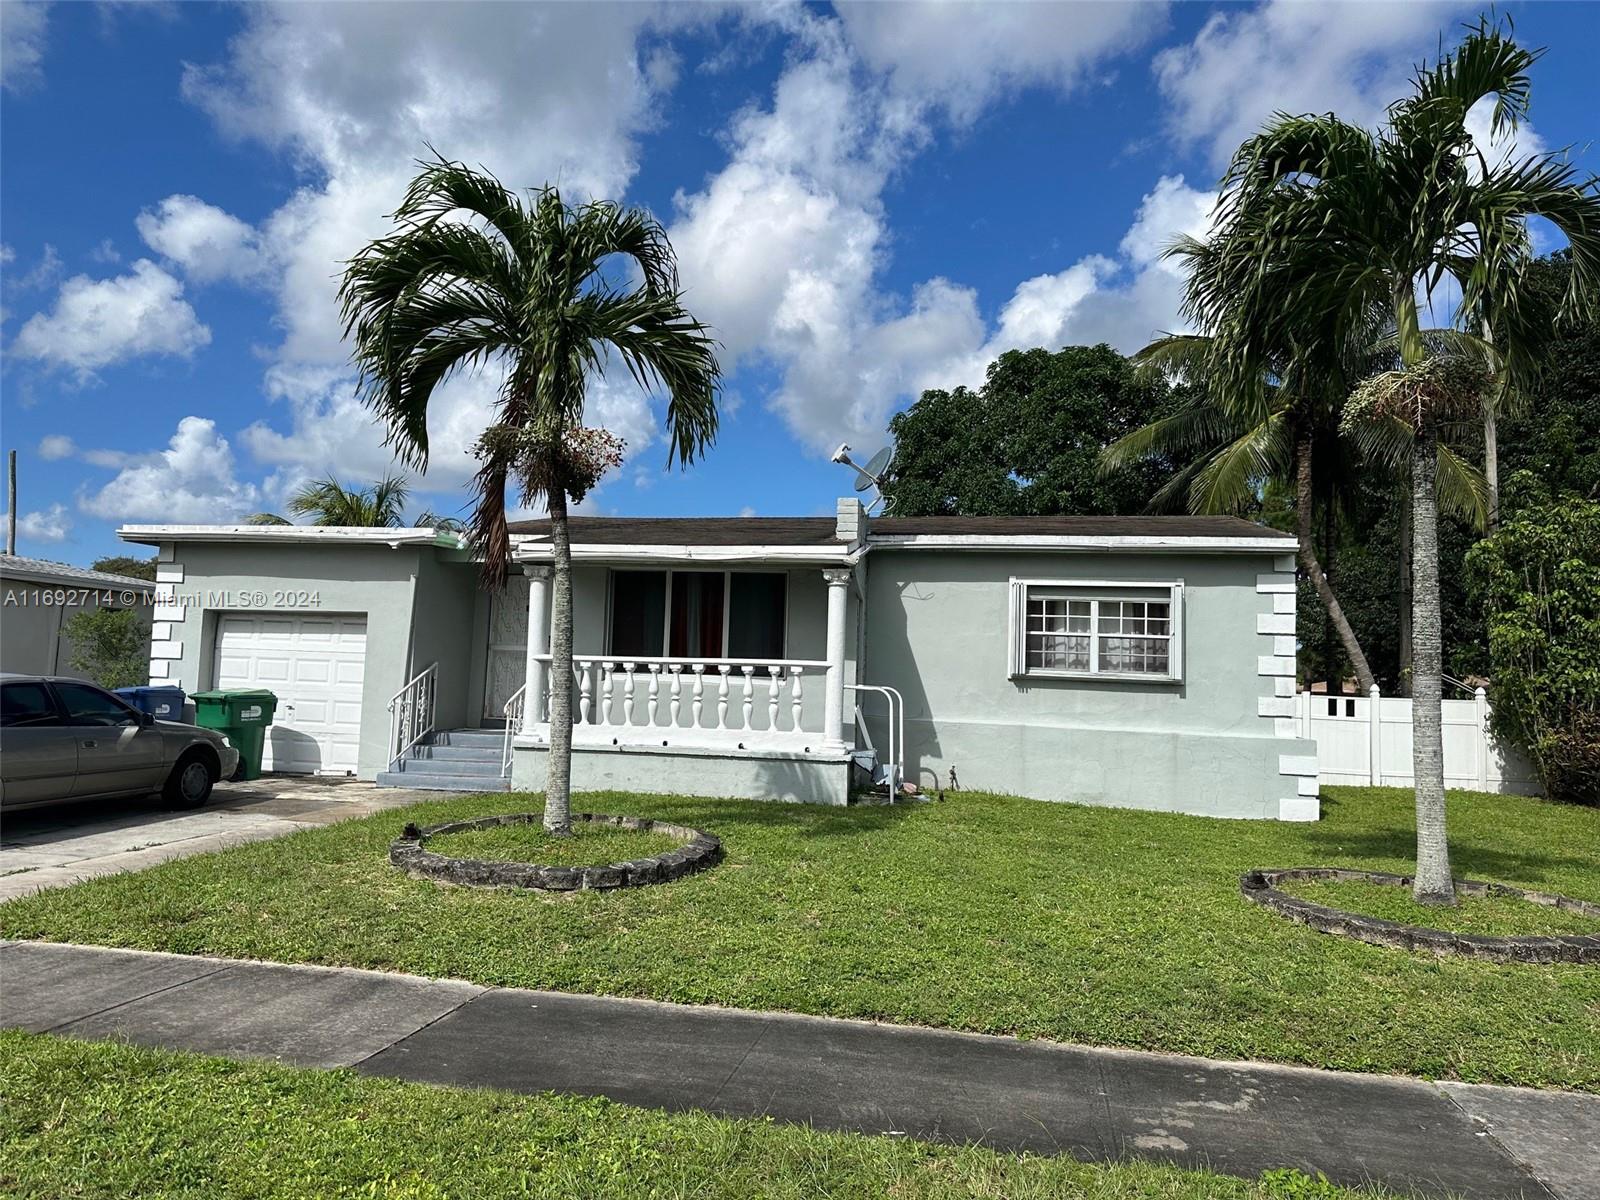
(1093, 629)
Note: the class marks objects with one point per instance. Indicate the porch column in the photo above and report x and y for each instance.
(538, 643)
(833, 698)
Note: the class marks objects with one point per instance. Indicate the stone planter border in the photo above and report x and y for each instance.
(1259, 887)
(410, 854)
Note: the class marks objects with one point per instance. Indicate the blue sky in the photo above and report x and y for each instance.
(866, 201)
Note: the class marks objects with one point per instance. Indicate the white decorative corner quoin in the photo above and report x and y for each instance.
(1275, 649)
(167, 619)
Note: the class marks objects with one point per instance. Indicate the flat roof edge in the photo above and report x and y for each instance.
(336, 535)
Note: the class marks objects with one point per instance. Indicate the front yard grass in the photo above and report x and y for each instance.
(101, 1120)
(1002, 915)
(1487, 916)
(588, 845)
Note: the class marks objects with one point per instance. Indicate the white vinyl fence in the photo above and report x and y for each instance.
(1367, 740)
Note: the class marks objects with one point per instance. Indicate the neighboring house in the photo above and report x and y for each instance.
(1147, 662)
(37, 598)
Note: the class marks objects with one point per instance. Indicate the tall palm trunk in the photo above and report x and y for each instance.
(1491, 448)
(1405, 591)
(1491, 466)
(1308, 561)
(1433, 883)
(558, 771)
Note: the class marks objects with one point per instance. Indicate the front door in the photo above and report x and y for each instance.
(506, 666)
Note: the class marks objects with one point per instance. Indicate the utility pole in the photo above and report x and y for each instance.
(11, 505)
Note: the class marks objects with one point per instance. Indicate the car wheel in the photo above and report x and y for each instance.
(189, 785)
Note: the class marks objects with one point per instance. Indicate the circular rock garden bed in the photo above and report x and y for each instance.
(698, 850)
(1262, 888)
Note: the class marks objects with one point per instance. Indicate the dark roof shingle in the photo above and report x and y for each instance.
(818, 531)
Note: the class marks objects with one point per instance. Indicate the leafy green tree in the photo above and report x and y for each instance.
(546, 294)
(1539, 579)
(1028, 441)
(110, 645)
(1323, 217)
(1555, 434)
(126, 564)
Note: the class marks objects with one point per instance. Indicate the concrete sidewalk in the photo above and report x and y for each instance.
(1240, 1118)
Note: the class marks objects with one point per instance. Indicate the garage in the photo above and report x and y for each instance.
(315, 665)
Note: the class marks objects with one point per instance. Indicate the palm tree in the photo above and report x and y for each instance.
(329, 502)
(1321, 220)
(1283, 425)
(476, 276)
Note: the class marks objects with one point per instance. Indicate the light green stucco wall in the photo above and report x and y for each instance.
(372, 580)
(446, 603)
(937, 629)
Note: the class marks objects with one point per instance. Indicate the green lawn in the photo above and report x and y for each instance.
(589, 845)
(103, 1120)
(1489, 916)
(1082, 924)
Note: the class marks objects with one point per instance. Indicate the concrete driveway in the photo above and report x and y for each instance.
(52, 847)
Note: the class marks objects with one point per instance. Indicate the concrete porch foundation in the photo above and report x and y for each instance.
(657, 770)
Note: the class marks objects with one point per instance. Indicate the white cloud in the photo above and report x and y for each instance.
(781, 250)
(23, 33)
(1504, 146)
(193, 480)
(50, 525)
(1283, 56)
(56, 446)
(97, 322)
(960, 54)
(44, 273)
(555, 93)
(207, 243)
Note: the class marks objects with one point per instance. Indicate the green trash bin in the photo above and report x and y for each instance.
(241, 715)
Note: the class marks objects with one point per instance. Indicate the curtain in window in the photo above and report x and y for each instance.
(696, 614)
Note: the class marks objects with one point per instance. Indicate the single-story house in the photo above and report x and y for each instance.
(1146, 662)
(38, 598)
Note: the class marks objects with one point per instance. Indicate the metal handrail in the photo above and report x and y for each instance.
(893, 760)
(513, 714)
(411, 713)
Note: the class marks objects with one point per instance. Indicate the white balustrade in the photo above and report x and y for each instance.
(650, 697)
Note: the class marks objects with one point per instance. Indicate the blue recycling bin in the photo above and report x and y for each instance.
(162, 703)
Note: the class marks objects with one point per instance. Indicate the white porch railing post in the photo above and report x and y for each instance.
(833, 695)
(1480, 744)
(1374, 736)
(533, 699)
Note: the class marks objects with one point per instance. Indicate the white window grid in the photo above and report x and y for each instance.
(1087, 630)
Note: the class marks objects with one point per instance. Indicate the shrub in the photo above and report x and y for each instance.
(1538, 577)
(111, 645)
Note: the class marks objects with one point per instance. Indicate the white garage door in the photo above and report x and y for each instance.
(315, 666)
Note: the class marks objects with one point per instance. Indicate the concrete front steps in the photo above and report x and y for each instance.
(452, 760)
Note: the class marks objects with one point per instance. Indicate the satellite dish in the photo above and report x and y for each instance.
(869, 476)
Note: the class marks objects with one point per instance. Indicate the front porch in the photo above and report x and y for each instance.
(722, 671)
